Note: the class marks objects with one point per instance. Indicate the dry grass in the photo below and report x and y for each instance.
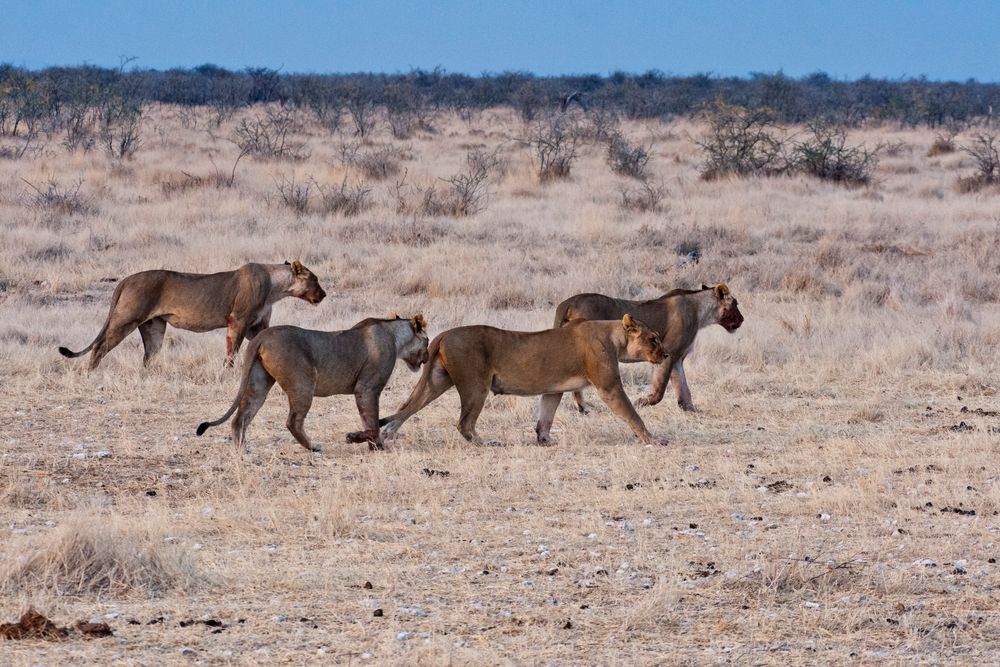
(789, 522)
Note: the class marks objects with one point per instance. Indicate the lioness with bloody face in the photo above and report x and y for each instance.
(239, 300)
(310, 363)
(677, 317)
(479, 359)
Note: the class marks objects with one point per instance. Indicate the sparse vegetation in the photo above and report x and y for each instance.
(554, 143)
(984, 152)
(270, 135)
(800, 491)
(626, 158)
(825, 155)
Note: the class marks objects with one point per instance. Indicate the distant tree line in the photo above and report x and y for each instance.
(30, 96)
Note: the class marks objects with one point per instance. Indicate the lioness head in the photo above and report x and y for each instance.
(643, 343)
(414, 351)
(305, 285)
(728, 315)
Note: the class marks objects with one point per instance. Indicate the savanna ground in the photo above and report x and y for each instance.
(818, 508)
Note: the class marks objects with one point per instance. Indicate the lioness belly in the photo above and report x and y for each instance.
(514, 387)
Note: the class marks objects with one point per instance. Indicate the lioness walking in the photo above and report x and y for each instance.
(239, 300)
(309, 363)
(677, 316)
(479, 359)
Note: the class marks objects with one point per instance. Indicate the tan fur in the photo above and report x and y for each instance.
(309, 363)
(677, 316)
(239, 300)
(479, 359)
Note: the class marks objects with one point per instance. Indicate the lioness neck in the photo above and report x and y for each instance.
(282, 279)
(402, 332)
(707, 307)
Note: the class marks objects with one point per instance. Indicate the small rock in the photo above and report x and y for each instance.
(378, 613)
(104, 454)
(187, 652)
(280, 618)
(925, 562)
(824, 517)
(403, 636)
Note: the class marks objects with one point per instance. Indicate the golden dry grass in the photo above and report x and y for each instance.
(792, 520)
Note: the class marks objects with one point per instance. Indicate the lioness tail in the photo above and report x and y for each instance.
(66, 352)
(249, 359)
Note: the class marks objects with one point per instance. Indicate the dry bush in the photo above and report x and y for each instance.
(270, 136)
(742, 142)
(466, 193)
(984, 152)
(601, 126)
(295, 196)
(554, 144)
(375, 162)
(91, 556)
(344, 199)
(645, 197)
(626, 158)
(825, 155)
(121, 127)
(943, 144)
(52, 197)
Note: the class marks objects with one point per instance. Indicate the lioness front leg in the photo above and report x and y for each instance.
(681, 389)
(367, 402)
(546, 413)
(616, 399)
(661, 372)
(236, 328)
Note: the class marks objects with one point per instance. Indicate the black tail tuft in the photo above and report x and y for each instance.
(202, 427)
(66, 352)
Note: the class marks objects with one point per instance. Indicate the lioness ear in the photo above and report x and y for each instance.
(419, 323)
(287, 263)
(297, 268)
(629, 323)
(704, 286)
(392, 316)
(721, 291)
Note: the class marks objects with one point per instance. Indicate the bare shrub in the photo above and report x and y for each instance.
(467, 192)
(346, 200)
(53, 197)
(742, 142)
(470, 188)
(375, 162)
(554, 145)
(362, 112)
(826, 156)
(121, 126)
(270, 136)
(944, 143)
(80, 122)
(645, 197)
(295, 196)
(600, 126)
(626, 158)
(91, 556)
(984, 152)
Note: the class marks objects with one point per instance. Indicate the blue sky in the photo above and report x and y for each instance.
(845, 38)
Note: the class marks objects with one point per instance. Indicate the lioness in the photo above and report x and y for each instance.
(239, 300)
(677, 316)
(310, 363)
(479, 359)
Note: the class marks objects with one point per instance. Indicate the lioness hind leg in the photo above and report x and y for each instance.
(581, 405)
(116, 332)
(152, 338)
(437, 382)
(258, 385)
